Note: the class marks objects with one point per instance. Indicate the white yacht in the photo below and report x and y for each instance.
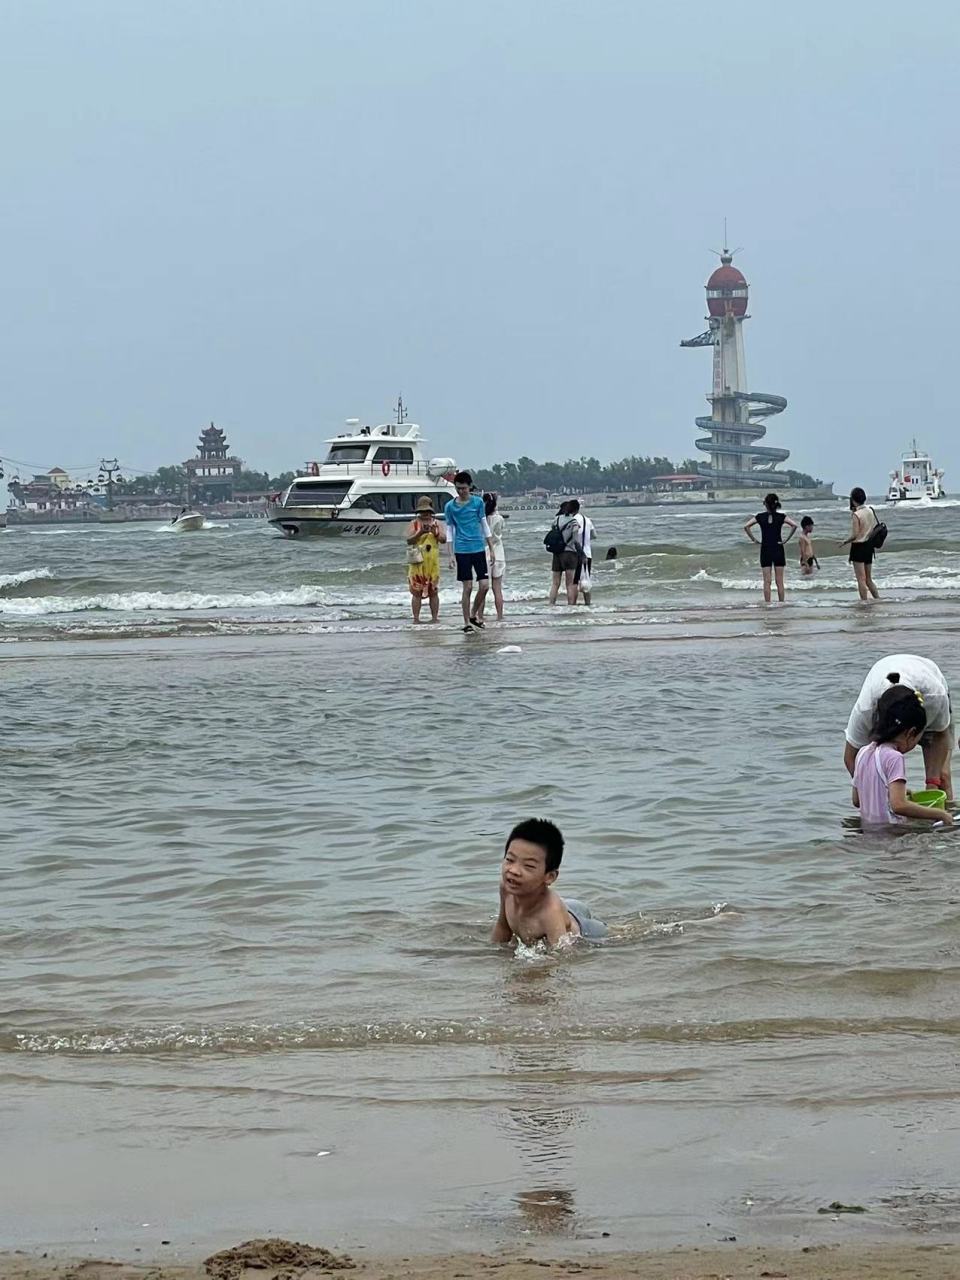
(917, 480)
(367, 485)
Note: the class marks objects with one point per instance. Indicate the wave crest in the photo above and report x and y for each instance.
(9, 581)
(175, 601)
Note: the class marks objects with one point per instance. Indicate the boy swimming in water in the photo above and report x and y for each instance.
(808, 559)
(530, 909)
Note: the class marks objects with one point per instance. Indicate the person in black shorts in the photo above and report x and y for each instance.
(863, 523)
(773, 557)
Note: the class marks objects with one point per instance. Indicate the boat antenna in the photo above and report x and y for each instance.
(401, 411)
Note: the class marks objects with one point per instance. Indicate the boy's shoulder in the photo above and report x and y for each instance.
(554, 903)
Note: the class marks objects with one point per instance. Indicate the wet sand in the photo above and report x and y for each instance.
(812, 1262)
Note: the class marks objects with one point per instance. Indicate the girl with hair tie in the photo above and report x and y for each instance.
(880, 775)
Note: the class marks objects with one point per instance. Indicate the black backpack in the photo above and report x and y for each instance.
(554, 540)
(879, 535)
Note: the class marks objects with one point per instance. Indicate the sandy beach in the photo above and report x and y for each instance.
(812, 1262)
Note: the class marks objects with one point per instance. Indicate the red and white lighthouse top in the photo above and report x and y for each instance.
(727, 289)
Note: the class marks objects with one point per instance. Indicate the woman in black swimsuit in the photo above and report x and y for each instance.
(771, 542)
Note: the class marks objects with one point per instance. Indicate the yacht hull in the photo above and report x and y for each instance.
(915, 499)
(297, 523)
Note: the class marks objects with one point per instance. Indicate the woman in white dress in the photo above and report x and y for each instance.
(497, 523)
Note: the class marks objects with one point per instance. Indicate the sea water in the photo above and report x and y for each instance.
(250, 828)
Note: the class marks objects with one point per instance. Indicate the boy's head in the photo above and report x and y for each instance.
(806, 524)
(532, 856)
(463, 481)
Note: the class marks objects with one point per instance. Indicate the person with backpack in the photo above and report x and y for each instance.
(564, 541)
(867, 534)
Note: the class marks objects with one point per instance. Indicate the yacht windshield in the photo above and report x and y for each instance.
(317, 492)
(348, 453)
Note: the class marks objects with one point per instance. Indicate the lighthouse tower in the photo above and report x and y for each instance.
(738, 415)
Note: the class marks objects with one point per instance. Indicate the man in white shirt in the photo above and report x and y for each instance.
(928, 680)
(586, 564)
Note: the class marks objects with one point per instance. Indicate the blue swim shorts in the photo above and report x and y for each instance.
(590, 929)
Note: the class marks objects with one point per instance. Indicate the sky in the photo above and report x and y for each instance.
(279, 215)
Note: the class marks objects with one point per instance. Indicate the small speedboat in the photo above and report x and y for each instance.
(187, 521)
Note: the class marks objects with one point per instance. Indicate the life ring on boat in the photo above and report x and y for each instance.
(385, 468)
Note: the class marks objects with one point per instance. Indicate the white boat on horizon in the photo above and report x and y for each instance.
(368, 484)
(918, 480)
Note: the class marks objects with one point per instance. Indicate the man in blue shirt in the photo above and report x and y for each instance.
(468, 536)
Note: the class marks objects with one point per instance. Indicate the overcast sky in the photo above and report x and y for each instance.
(281, 214)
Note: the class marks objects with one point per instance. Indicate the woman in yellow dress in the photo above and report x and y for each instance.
(424, 535)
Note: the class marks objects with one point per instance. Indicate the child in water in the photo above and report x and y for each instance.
(530, 910)
(880, 775)
(808, 558)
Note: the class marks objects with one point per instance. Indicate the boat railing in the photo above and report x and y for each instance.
(380, 470)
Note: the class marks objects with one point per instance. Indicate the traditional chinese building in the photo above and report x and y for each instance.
(48, 491)
(212, 474)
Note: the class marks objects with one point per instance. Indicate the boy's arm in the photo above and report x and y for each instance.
(501, 930)
(899, 804)
(856, 798)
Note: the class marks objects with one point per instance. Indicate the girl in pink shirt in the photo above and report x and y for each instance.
(880, 775)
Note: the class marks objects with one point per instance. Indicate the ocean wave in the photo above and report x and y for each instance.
(794, 582)
(269, 1037)
(10, 580)
(173, 601)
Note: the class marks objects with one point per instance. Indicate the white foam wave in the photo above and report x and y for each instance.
(794, 582)
(170, 601)
(26, 575)
(207, 524)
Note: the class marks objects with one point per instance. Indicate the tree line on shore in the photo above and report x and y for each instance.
(576, 475)
(172, 481)
(589, 475)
